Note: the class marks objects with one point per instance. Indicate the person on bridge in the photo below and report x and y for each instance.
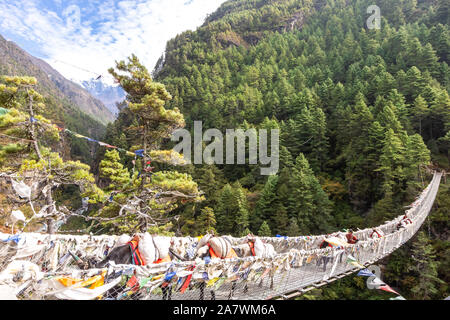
(376, 234)
(406, 219)
(351, 238)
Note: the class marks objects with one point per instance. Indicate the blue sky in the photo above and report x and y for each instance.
(93, 34)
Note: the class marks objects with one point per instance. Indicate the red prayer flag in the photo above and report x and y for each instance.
(388, 289)
(133, 283)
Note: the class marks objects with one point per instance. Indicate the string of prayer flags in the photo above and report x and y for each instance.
(139, 152)
(379, 283)
(16, 138)
(103, 144)
(351, 260)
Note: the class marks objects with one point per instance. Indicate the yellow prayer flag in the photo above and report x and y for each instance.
(211, 282)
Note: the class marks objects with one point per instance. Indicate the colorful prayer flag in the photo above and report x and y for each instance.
(365, 273)
(397, 298)
(388, 289)
(139, 152)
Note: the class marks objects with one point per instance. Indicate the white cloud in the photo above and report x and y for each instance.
(93, 34)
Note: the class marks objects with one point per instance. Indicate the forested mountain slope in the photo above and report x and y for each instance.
(361, 112)
(68, 104)
(15, 61)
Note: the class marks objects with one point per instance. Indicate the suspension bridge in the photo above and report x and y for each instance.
(40, 266)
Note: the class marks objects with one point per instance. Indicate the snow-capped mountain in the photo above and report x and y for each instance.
(68, 95)
(109, 95)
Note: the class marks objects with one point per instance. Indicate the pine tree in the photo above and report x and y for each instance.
(293, 229)
(391, 162)
(266, 203)
(114, 171)
(417, 155)
(47, 168)
(307, 199)
(420, 111)
(372, 152)
(206, 221)
(319, 143)
(279, 219)
(225, 209)
(401, 109)
(286, 160)
(425, 267)
(232, 213)
(359, 134)
(210, 181)
(264, 230)
(428, 59)
(22, 103)
(241, 217)
(416, 83)
(389, 120)
(440, 114)
(151, 195)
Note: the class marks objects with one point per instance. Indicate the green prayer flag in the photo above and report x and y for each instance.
(3, 111)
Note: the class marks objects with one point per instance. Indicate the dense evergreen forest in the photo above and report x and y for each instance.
(361, 112)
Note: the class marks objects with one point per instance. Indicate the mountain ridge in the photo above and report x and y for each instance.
(16, 61)
(109, 95)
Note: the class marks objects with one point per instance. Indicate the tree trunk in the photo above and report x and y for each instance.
(50, 221)
(50, 226)
(143, 172)
(32, 130)
(144, 158)
(49, 197)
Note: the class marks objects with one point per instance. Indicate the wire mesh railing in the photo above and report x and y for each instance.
(37, 266)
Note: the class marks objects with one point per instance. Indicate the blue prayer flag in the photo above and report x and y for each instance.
(139, 152)
(15, 238)
(169, 276)
(365, 273)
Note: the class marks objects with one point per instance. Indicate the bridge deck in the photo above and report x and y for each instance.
(303, 270)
